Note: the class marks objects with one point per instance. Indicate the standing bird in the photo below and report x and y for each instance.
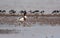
(23, 18)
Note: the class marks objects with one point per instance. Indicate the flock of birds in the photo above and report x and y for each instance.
(22, 11)
(25, 12)
(25, 17)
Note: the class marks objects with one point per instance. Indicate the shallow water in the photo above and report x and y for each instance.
(35, 31)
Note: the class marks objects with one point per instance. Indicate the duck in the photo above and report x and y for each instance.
(23, 18)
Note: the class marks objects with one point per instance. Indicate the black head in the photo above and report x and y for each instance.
(25, 13)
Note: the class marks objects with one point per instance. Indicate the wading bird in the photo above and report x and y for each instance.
(23, 18)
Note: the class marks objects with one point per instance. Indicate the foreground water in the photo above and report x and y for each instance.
(35, 31)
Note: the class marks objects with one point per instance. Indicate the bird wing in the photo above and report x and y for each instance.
(21, 19)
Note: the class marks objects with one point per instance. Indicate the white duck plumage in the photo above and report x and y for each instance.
(25, 16)
(22, 19)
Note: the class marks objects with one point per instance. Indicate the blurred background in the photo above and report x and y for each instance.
(47, 5)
